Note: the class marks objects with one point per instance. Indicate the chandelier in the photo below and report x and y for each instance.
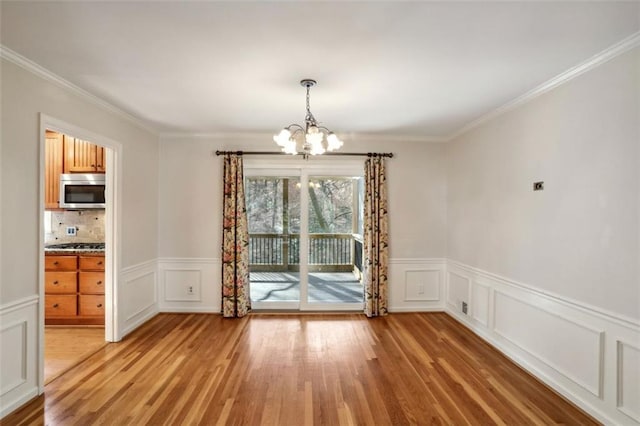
(314, 139)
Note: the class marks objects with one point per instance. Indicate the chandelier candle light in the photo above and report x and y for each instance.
(316, 140)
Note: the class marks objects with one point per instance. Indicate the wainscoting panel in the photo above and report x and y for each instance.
(189, 285)
(590, 356)
(416, 285)
(573, 350)
(138, 299)
(458, 286)
(629, 380)
(480, 300)
(18, 353)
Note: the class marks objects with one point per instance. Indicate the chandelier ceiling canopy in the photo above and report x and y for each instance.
(312, 138)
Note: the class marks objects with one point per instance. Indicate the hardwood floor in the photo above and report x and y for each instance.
(65, 347)
(299, 370)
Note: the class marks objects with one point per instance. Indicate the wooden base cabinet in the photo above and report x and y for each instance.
(74, 290)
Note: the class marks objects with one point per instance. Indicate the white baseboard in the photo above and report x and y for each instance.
(577, 350)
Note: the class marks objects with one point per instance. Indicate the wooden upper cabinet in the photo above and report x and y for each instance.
(82, 156)
(54, 160)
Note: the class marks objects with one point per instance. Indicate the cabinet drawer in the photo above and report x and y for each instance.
(92, 263)
(60, 263)
(91, 305)
(92, 282)
(60, 282)
(59, 305)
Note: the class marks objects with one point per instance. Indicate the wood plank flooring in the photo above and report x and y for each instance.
(298, 370)
(64, 347)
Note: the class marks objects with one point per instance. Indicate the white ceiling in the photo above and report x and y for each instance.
(420, 70)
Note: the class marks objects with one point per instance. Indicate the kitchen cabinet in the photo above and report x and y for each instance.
(54, 160)
(82, 156)
(74, 289)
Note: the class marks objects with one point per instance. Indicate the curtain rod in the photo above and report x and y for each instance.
(305, 156)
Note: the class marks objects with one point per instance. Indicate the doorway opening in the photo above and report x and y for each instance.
(305, 246)
(78, 246)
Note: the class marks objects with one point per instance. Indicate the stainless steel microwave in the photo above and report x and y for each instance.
(82, 191)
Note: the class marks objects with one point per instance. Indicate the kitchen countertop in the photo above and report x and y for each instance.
(95, 249)
(94, 252)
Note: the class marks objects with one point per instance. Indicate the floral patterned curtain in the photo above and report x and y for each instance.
(376, 237)
(235, 242)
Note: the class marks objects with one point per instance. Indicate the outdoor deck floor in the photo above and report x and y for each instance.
(324, 287)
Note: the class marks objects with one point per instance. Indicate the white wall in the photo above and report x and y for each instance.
(190, 206)
(24, 97)
(552, 278)
(579, 237)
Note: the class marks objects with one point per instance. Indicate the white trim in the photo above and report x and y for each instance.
(45, 74)
(19, 304)
(267, 136)
(418, 261)
(596, 60)
(608, 315)
(142, 266)
(199, 260)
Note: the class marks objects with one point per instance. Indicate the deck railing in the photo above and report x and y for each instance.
(278, 252)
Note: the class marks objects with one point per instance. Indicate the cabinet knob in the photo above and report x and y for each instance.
(99, 282)
(55, 305)
(55, 282)
(56, 262)
(100, 262)
(99, 305)
(93, 165)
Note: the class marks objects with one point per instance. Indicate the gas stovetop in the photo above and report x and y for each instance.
(76, 246)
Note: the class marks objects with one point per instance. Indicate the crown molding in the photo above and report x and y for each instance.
(347, 137)
(598, 59)
(34, 68)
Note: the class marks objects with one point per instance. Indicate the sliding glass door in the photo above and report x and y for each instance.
(332, 275)
(305, 248)
(273, 213)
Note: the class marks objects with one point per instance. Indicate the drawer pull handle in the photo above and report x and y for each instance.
(99, 282)
(55, 282)
(99, 305)
(56, 262)
(55, 305)
(100, 262)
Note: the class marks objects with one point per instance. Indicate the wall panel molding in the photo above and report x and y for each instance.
(628, 376)
(189, 285)
(138, 295)
(586, 354)
(18, 353)
(416, 284)
(536, 339)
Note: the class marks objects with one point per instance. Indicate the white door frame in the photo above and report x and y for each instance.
(112, 228)
(304, 169)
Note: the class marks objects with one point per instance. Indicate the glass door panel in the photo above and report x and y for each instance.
(273, 213)
(333, 281)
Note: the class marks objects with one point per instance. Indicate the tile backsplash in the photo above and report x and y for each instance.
(89, 226)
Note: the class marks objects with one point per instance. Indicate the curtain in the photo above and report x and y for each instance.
(235, 242)
(376, 238)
